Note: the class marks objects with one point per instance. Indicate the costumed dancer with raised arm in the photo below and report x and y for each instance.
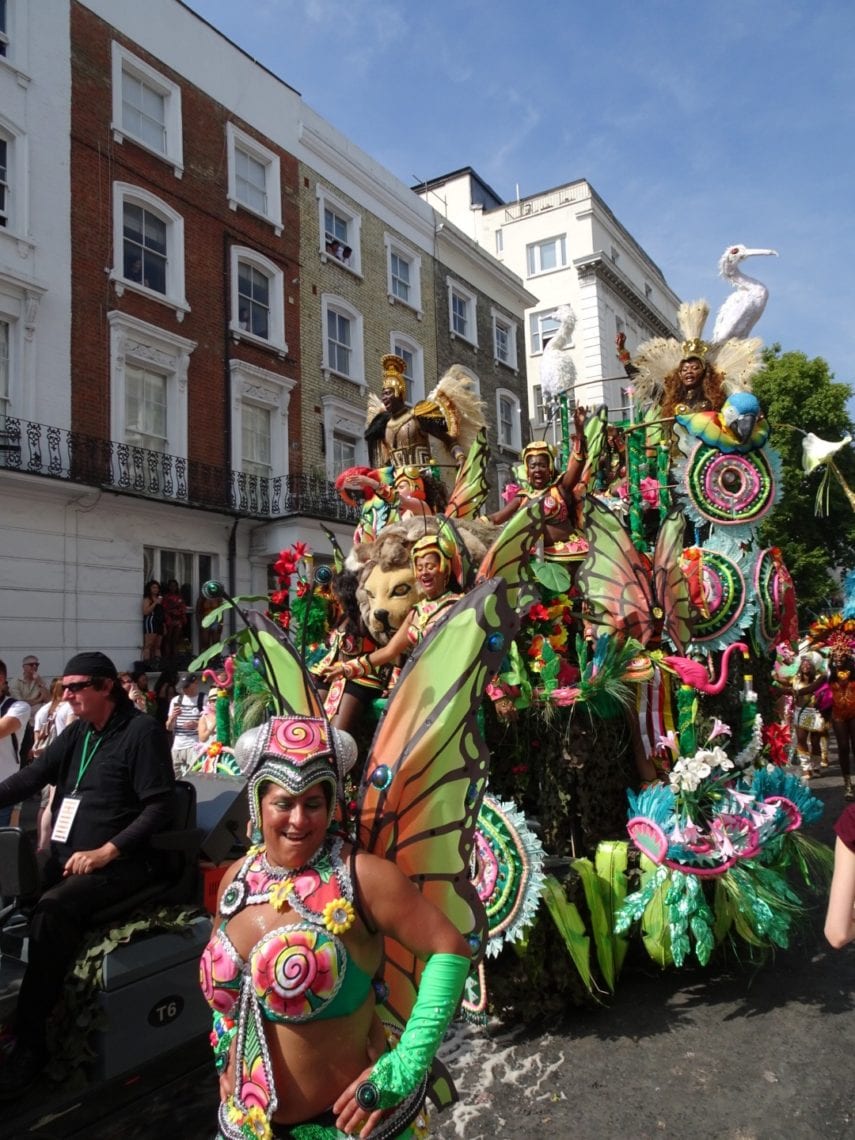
(326, 948)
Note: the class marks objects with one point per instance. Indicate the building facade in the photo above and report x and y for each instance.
(569, 249)
(185, 347)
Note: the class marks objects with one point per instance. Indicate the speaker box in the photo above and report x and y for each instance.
(222, 814)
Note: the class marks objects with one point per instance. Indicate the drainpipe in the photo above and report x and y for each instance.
(227, 390)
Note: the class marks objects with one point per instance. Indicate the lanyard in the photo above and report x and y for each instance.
(86, 758)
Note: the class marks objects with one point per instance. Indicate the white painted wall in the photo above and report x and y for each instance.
(35, 250)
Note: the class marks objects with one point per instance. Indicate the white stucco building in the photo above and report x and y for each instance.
(569, 249)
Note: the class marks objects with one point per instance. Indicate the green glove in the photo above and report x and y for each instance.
(398, 1073)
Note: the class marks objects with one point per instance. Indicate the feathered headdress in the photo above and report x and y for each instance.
(737, 360)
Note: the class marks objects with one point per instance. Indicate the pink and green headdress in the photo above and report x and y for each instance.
(296, 753)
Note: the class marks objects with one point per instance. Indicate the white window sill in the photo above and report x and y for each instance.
(120, 135)
(546, 272)
(236, 203)
(21, 77)
(277, 346)
(178, 304)
(331, 374)
(393, 300)
(465, 339)
(331, 259)
(505, 364)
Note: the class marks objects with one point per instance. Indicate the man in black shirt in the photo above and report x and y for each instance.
(112, 770)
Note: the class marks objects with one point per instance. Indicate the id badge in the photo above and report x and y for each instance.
(65, 818)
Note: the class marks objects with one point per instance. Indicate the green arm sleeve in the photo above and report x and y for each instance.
(397, 1073)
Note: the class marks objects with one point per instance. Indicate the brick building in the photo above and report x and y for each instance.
(174, 392)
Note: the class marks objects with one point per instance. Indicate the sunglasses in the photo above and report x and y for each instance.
(76, 686)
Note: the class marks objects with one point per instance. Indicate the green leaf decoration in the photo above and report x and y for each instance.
(610, 863)
(602, 923)
(570, 926)
(654, 921)
(552, 576)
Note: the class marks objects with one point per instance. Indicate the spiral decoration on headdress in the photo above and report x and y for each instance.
(729, 609)
(730, 491)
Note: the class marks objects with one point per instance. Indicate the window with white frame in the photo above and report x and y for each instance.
(412, 354)
(403, 274)
(508, 419)
(542, 328)
(462, 312)
(254, 181)
(145, 407)
(260, 403)
(500, 243)
(544, 256)
(148, 385)
(340, 231)
(541, 412)
(148, 241)
(342, 343)
(4, 30)
(504, 340)
(14, 174)
(146, 108)
(257, 299)
(344, 445)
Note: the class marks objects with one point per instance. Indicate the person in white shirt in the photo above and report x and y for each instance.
(183, 721)
(14, 717)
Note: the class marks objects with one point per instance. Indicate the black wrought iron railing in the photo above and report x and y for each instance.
(56, 453)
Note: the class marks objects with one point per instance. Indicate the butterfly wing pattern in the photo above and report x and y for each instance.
(425, 777)
(624, 593)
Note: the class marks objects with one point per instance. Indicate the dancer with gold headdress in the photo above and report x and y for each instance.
(431, 558)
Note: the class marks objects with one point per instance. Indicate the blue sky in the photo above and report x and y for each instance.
(701, 125)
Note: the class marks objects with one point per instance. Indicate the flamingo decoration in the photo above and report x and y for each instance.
(693, 674)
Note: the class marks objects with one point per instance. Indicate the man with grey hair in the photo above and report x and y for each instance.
(30, 687)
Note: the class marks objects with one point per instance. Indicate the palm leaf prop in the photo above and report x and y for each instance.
(571, 927)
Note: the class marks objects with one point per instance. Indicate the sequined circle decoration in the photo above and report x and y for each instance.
(731, 491)
(774, 594)
(507, 875)
(724, 592)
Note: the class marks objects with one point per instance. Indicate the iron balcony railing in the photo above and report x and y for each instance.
(56, 453)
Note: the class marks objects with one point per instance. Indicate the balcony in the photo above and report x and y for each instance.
(54, 453)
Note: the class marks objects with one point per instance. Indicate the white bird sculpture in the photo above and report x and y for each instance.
(744, 307)
(557, 370)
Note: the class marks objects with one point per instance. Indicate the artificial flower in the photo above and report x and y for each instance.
(280, 893)
(510, 492)
(719, 728)
(669, 743)
(650, 491)
(338, 916)
(279, 597)
(301, 549)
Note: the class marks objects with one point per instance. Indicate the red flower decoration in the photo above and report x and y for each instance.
(279, 598)
(777, 737)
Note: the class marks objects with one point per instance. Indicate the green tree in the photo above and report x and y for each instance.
(796, 392)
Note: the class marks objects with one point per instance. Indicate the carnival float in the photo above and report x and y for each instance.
(638, 793)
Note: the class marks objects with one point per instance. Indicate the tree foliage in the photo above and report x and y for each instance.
(798, 393)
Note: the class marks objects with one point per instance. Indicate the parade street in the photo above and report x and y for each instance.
(735, 1052)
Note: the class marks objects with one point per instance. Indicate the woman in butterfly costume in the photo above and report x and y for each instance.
(330, 945)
